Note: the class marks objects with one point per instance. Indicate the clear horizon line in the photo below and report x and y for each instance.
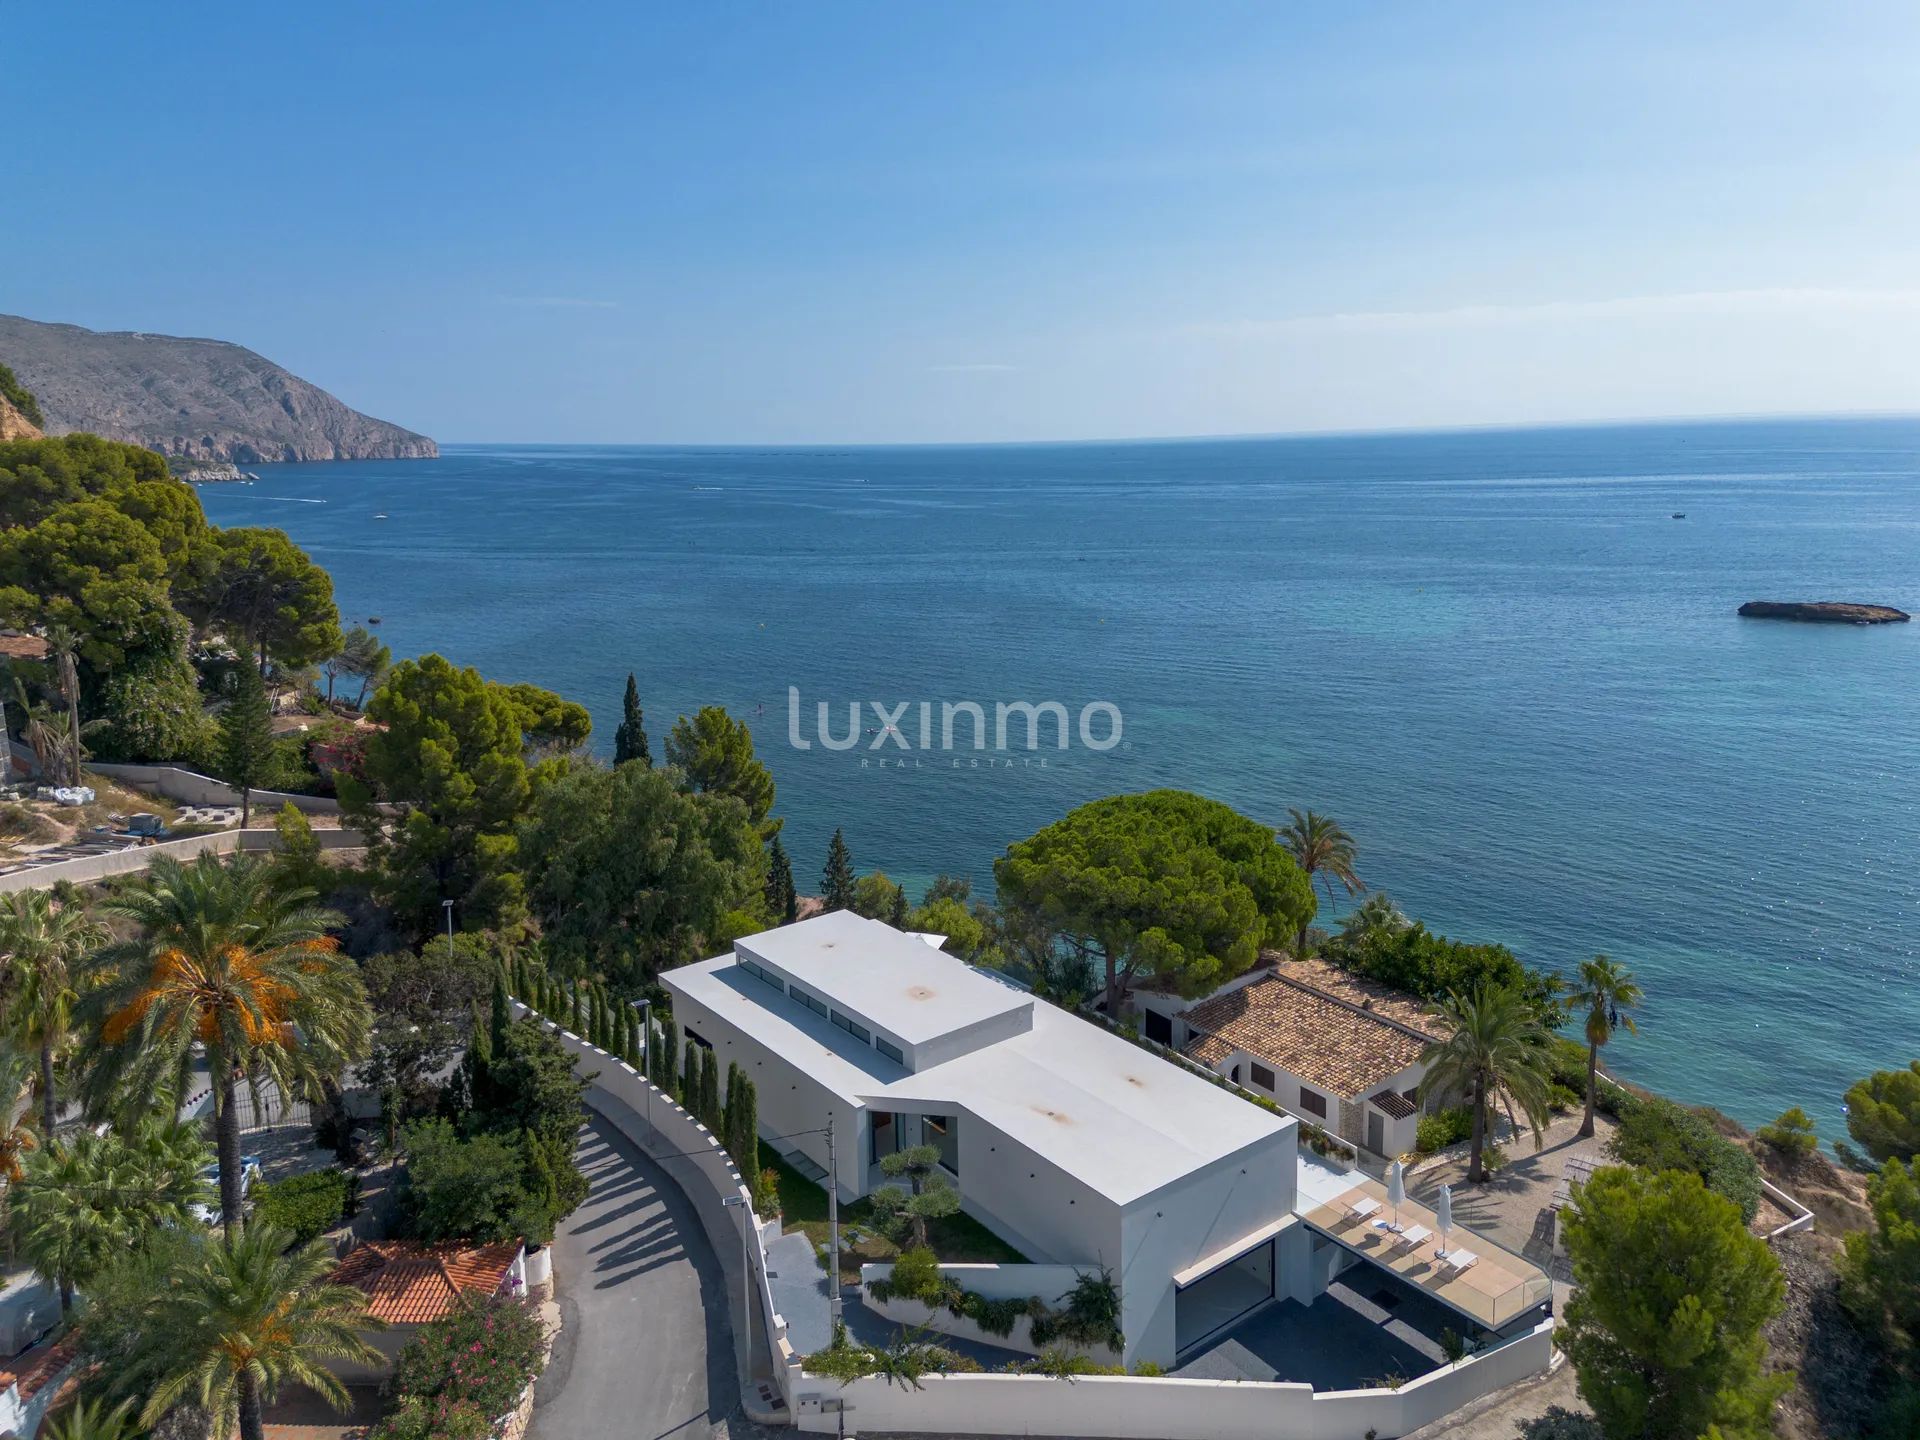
(1330, 433)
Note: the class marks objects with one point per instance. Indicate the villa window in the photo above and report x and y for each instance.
(761, 972)
(892, 1051)
(813, 1003)
(885, 1139)
(942, 1133)
(1313, 1102)
(1263, 1077)
(852, 1027)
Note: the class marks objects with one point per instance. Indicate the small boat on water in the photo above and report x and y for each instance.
(381, 516)
(1679, 514)
(373, 619)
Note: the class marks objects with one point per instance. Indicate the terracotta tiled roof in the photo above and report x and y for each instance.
(1330, 979)
(15, 646)
(409, 1283)
(1312, 1036)
(1394, 1103)
(32, 1370)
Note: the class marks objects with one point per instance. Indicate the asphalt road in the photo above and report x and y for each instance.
(646, 1350)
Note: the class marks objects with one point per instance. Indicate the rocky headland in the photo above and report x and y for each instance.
(202, 399)
(1823, 612)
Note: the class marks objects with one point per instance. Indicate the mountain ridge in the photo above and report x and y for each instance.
(199, 398)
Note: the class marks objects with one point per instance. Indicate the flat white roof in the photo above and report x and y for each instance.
(901, 983)
(1114, 1116)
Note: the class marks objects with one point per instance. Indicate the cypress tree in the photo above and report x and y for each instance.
(782, 902)
(726, 1108)
(710, 1090)
(897, 916)
(630, 740)
(836, 881)
(246, 737)
(690, 1081)
(502, 1016)
(747, 1130)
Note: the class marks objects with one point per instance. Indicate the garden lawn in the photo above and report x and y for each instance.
(957, 1239)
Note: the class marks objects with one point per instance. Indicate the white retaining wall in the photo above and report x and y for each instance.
(89, 868)
(691, 1154)
(1138, 1408)
(1051, 1283)
(189, 787)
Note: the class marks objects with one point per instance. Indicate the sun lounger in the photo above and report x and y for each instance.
(1413, 1237)
(1363, 1207)
(1459, 1260)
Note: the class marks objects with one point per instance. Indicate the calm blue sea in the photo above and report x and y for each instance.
(1495, 657)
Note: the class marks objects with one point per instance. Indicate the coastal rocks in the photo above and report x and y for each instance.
(14, 425)
(212, 473)
(1826, 612)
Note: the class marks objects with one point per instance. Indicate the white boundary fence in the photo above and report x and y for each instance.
(89, 868)
(189, 787)
(1126, 1407)
(693, 1157)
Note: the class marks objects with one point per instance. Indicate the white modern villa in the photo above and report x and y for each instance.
(1075, 1145)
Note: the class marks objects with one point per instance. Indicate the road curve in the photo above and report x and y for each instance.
(646, 1349)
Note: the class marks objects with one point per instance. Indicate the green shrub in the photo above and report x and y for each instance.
(483, 1353)
(916, 1274)
(1563, 1098)
(1657, 1134)
(309, 1205)
(1791, 1137)
(1443, 1128)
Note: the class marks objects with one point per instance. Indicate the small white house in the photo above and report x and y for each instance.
(1073, 1144)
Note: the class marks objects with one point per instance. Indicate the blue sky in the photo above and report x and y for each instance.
(820, 222)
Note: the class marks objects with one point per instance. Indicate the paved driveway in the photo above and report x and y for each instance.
(646, 1352)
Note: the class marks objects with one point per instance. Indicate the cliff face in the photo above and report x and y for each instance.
(14, 425)
(204, 399)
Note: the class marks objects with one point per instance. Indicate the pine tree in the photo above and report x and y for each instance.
(836, 880)
(630, 740)
(246, 737)
(897, 916)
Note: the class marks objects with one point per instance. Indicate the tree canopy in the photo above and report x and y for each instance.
(1165, 885)
(259, 586)
(715, 753)
(633, 874)
(450, 756)
(1883, 1113)
(1665, 1323)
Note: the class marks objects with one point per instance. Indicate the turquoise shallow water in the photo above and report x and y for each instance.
(1495, 657)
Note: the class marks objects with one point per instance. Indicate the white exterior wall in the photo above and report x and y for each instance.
(788, 1100)
(1135, 1408)
(1045, 1213)
(1399, 1134)
(1184, 1223)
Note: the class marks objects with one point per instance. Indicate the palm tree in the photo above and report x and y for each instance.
(230, 956)
(1320, 847)
(1376, 913)
(17, 1139)
(47, 942)
(37, 729)
(63, 646)
(1608, 992)
(1496, 1052)
(82, 1201)
(246, 1316)
(92, 1420)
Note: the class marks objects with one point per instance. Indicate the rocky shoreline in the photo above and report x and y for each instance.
(1825, 612)
(213, 473)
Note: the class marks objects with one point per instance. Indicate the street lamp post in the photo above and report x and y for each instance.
(447, 905)
(645, 1007)
(833, 1232)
